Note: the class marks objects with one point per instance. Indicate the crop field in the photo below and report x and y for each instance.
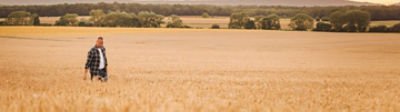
(199, 70)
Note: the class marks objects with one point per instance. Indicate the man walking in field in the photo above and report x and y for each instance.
(97, 62)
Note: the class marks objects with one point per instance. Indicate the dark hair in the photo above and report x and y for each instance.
(100, 38)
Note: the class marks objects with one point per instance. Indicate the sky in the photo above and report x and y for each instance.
(387, 2)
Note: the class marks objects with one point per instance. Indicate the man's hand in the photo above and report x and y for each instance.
(108, 73)
(85, 74)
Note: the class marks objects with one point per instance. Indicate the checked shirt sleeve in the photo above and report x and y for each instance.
(89, 60)
(105, 57)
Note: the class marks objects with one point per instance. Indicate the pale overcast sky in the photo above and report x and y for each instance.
(380, 1)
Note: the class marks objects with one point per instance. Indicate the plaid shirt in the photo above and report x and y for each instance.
(93, 60)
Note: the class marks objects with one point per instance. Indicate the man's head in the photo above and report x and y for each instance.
(99, 42)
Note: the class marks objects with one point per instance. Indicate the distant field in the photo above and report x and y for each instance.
(159, 69)
(199, 22)
(387, 23)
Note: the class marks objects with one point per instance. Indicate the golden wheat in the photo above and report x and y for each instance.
(199, 70)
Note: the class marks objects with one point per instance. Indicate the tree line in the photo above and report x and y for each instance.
(100, 19)
(21, 18)
(83, 9)
(339, 21)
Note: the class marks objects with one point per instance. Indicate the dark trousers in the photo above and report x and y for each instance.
(102, 75)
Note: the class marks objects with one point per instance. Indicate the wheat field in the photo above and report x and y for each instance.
(199, 70)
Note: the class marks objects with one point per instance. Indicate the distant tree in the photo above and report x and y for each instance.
(271, 22)
(338, 20)
(120, 19)
(350, 21)
(150, 19)
(325, 18)
(3, 23)
(68, 20)
(301, 22)
(237, 20)
(205, 15)
(96, 16)
(174, 22)
(322, 26)
(357, 21)
(35, 19)
(19, 18)
(134, 21)
(395, 28)
(215, 26)
(259, 21)
(249, 24)
(85, 22)
(380, 28)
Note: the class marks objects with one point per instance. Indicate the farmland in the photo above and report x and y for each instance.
(158, 69)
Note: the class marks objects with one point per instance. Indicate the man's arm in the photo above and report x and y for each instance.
(106, 64)
(105, 58)
(88, 64)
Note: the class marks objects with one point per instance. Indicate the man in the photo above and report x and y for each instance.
(97, 62)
